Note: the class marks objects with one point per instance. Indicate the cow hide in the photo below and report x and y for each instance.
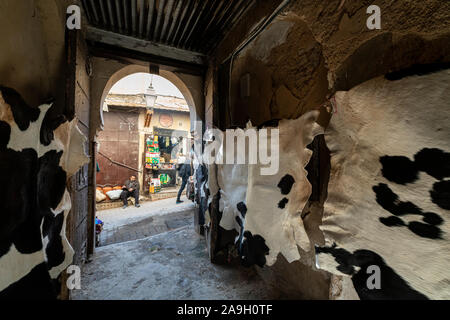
(388, 194)
(275, 202)
(34, 201)
(265, 209)
(233, 182)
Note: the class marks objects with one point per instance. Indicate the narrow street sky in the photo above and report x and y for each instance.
(139, 82)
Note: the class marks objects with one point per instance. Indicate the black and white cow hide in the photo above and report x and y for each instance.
(35, 163)
(265, 209)
(356, 264)
(389, 189)
(275, 202)
(232, 180)
(200, 176)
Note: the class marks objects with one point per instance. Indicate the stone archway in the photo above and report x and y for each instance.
(101, 85)
(108, 73)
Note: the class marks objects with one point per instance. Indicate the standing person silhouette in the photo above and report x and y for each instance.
(185, 172)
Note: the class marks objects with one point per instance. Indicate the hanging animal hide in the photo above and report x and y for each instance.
(389, 189)
(34, 202)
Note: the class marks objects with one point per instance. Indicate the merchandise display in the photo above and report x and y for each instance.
(152, 154)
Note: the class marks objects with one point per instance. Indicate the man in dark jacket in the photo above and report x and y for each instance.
(130, 189)
(184, 173)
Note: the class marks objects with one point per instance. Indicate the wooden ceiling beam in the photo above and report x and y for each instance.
(144, 46)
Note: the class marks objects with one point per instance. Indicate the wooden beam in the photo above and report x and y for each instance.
(158, 19)
(167, 18)
(151, 9)
(119, 15)
(144, 46)
(141, 17)
(174, 21)
(133, 16)
(126, 57)
(183, 15)
(111, 15)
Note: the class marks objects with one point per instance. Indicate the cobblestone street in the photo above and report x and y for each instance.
(150, 219)
(147, 227)
(153, 252)
(169, 265)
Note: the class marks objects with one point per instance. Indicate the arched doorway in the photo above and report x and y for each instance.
(189, 86)
(132, 137)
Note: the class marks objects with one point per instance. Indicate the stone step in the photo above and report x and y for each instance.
(151, 197)
(162, 195)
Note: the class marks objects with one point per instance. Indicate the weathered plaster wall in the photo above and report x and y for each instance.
(286, 80)
(181, 121)
(32, 61)
(35, 27)
(314, 48)
(243, 27)
(411, 33)
(209, 98)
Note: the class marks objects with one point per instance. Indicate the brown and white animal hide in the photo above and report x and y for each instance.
(36, 201)
(388, 195)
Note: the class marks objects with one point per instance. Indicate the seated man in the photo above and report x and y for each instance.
(131, 188)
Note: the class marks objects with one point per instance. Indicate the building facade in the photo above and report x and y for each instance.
(122, 143)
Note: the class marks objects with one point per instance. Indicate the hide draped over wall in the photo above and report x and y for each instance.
(36, 160)
(389, 193)
(265, 209)
(275, 202)
(382, 128)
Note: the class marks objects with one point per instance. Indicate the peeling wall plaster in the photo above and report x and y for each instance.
(273, 36)
(328, 48)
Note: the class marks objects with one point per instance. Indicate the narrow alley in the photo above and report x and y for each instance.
(225, 150)
(150, 219)
(170, 265)
(153, 252)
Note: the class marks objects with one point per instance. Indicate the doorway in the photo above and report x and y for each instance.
(145, 137)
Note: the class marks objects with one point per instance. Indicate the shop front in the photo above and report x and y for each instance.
(163, 150)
